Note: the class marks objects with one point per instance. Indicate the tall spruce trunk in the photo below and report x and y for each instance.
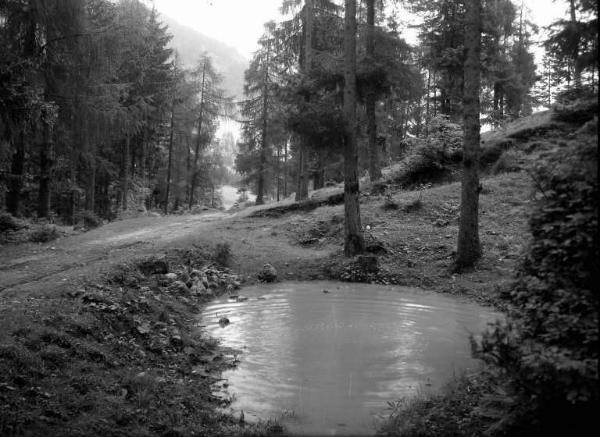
(46, 168)
(194, 176)
(302, 171)
(302, 185)
(125, 173)
(353, 236)
(170, 162)
(469, 249)
(263, 145)
(285, 168)
(17, 170)
(576, 63)
(90, 201)
(370, 100)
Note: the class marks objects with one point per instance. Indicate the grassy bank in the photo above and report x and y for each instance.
(120, 356)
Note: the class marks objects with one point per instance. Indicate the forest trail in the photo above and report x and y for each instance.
(67, 263)
(27, 266)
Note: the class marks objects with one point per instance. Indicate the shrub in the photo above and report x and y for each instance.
(9, 223)
(507, 162)
(432, 158)
(222, 254)
(91, 220)
(44, 234)
(548, 348)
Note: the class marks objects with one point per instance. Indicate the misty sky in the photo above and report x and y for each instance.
(239, 23)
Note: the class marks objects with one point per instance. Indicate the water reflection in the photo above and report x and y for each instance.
(330, 361)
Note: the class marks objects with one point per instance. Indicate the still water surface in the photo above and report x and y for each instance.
(327, 363)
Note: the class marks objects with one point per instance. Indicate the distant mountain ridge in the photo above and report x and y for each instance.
(190, 43)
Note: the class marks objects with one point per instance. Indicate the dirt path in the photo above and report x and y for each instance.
(67, 262)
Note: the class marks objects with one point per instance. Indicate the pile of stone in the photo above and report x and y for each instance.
(204, 283)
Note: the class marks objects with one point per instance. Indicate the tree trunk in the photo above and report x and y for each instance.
(194, 176)
(125, 174)
(285, 168)
(91, 196)
(15, 183)
(427, 104)
(576, 63)
(278, 173)
(169, 165)
(353, 236)
(370, 100)
(188, 167)
(469, 249)
(434, 96)
(302, 185)
(263, 146)
(46, 164)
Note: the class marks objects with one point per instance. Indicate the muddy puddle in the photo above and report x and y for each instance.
(324, 358)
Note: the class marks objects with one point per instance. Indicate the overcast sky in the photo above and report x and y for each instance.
(239, 23)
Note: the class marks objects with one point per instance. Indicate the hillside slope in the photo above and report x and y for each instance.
(190, 44)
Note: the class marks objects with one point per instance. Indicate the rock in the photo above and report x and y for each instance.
(154, 266)
(179, 287)
(171, 277)
(376, 247)
(223, 321)
(367, 263)
(144, 328)
(198, 288)
(204, 280)
(268, 273)
(185, 278)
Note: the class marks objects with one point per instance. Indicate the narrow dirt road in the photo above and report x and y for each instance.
(66, 263)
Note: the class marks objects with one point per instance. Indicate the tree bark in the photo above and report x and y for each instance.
(353, 236)
(302, 185)
(194, 176)
(125, 174)
(370, 100)
(17, 169)
(427, 102)
(576, 64)
(46, 164)
(169, 165)
(469, 249)
(90, 204)
(278, 173)
(285, 168)
(263, 146)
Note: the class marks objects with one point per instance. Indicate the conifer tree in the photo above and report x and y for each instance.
(469, 249)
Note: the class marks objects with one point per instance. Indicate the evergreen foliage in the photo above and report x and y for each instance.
(86, 92)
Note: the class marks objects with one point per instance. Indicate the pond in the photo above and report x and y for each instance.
(325, 357)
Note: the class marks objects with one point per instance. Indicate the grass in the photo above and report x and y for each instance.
(114, 358)
(455, 411)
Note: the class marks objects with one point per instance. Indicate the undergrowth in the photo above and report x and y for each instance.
(122, 356)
